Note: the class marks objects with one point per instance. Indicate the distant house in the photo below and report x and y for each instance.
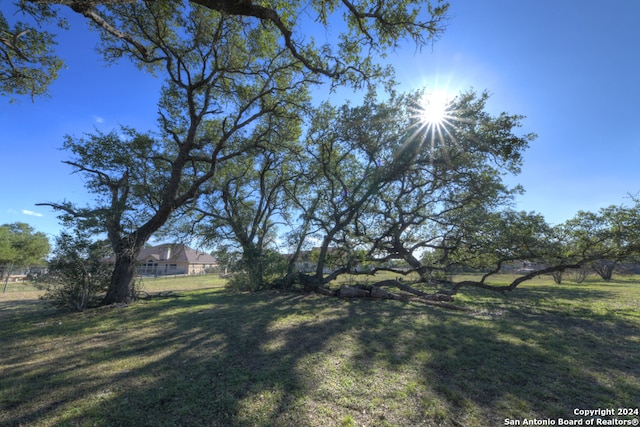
(307, 261)
(522, 267)
(169, 259)
(303, 264)
(16, 273)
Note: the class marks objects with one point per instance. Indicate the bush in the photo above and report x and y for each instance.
(77, 275)
(241, 282)
(258, 272)
(137, 288)
(580, 274)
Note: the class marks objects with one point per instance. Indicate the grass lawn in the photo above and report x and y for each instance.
(208, 357)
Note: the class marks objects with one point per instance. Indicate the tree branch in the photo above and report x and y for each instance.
(514, 284)
(85, 8)
(65, 208)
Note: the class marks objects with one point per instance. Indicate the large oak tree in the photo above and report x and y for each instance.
(225, 81)
(379, 181)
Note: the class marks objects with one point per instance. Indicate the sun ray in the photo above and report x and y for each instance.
(434, 108)
(434, 115)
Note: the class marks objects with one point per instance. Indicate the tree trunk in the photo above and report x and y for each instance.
(422, 270)
(353, 292)
(322, 257)
(253, 264)
(122, 277)
(6, 278)
(604, 268)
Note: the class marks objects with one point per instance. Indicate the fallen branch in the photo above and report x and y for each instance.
(375, 292)
(402, 286)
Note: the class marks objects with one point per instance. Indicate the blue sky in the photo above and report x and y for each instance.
(570, 66)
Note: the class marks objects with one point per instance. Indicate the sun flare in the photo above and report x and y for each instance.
(434, 108)
(434, 115)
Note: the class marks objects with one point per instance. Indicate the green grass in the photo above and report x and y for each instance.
(213, 358)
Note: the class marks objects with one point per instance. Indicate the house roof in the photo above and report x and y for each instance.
(196, 257)
(175, 252)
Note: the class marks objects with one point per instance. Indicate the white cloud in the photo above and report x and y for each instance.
(31, 213)
(98, 119)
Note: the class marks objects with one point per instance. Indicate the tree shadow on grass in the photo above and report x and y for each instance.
(202, 360)
(479, 370)
(213, 358)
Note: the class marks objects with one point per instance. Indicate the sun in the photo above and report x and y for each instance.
(434, 109)
(434, 116)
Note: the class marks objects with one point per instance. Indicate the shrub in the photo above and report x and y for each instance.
(258, 272)
(580, 274)
(77, 275)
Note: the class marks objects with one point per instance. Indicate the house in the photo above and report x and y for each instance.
(307, 261)
(11, 273)
(303, 263)
(170, 259)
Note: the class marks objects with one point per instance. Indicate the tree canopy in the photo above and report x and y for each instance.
(380, 185)
(21, 245)
(29, 62)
